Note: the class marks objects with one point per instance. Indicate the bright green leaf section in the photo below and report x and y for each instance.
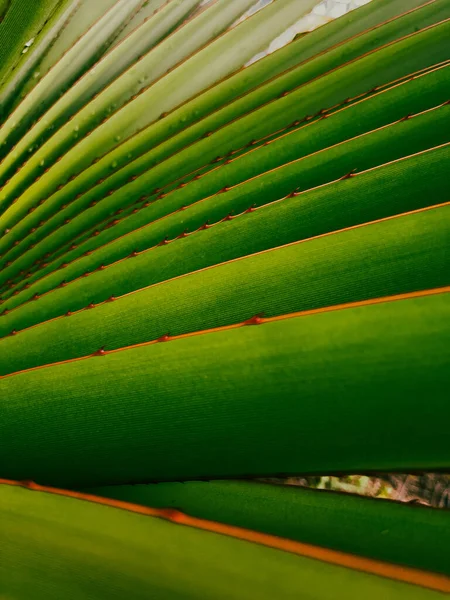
(106, 553)
(272, 171)
(292, 80)
(147, 10)
(87, 14)
(402, 255)
(391, 189)
(222, 56)
(98, 78)
(413, 96)
(355, 78)
(67, 70)
(388, 531)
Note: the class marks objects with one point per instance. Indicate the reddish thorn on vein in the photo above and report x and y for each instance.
(256, 320)
(348, 175)
(100, 352)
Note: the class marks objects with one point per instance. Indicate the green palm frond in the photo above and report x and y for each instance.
(219, 262)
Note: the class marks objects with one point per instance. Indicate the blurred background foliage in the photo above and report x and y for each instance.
(430, 489)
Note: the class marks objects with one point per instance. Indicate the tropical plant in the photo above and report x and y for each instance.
(209, 264)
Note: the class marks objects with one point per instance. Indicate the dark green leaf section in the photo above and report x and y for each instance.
(412, 536)
(397, 256)
(27, 67)
(253, 401)
(106, 553)
(16, 31)
(4, 5)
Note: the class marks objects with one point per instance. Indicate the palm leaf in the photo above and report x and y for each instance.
(214, 267)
